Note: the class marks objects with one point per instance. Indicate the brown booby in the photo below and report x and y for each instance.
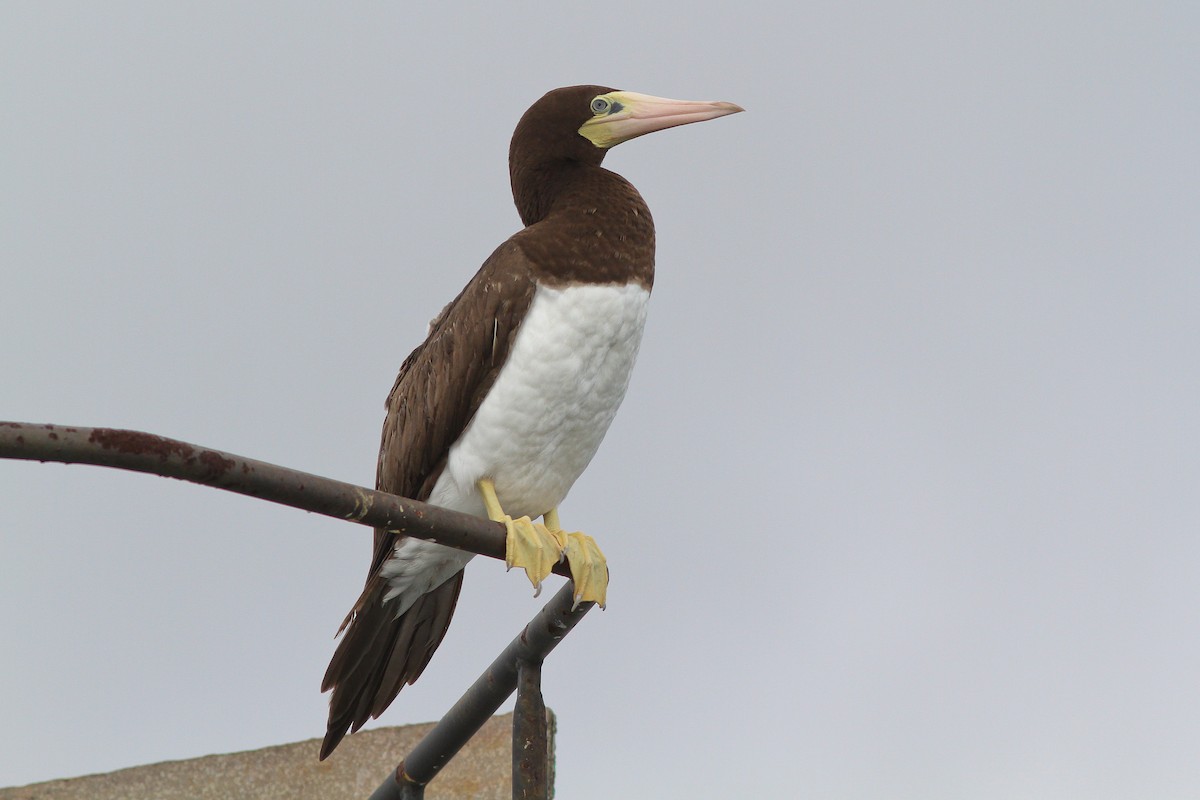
(501, 408)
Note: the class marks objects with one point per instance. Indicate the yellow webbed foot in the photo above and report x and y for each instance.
(530, 545)
(589, 568)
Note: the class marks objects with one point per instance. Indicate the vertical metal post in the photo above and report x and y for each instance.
(531, 744)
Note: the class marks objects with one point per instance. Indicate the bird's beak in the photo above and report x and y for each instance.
(630, 114)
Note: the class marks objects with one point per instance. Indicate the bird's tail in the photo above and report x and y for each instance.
(381, 652)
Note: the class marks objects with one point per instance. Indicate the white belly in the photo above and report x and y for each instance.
(552, 403)
(543, 420)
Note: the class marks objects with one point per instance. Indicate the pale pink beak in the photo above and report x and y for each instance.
(634, 115)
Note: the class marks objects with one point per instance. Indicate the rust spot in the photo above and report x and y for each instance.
(54, 436)
(20, 440)
(147, 444)
(215, 464)
(136, 443)
(11, 425)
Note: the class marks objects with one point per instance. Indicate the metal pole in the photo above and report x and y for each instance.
(479, 703)
(396, 788)
(172, 458)
(530, 744)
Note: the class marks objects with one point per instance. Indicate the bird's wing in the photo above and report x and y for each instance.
(443, 382)
(440, 387)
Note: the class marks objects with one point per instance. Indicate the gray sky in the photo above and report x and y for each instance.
(903, 499)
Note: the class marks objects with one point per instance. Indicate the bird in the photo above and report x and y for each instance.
(502, 407)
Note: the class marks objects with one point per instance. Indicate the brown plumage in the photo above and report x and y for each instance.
(439, 387)
(584, 224)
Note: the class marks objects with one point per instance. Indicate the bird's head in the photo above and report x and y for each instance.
(581, 123)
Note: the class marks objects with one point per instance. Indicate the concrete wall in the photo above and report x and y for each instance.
(480, 772)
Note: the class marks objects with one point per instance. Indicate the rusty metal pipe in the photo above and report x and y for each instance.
(171, 458)
(490, 690)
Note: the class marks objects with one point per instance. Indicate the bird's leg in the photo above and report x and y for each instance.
(530, 545)
(589, 568)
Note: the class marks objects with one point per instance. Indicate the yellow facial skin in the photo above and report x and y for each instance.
(620, 116)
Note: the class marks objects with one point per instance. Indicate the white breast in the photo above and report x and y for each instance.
(542, 421)
(553, 401)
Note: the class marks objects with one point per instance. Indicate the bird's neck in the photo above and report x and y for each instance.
(543, 188)
(584, 223)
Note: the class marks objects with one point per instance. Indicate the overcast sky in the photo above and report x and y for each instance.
(903, 502)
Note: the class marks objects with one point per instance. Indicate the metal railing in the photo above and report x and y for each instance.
(518, 668)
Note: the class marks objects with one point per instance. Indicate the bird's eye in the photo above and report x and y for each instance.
(600, 106)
